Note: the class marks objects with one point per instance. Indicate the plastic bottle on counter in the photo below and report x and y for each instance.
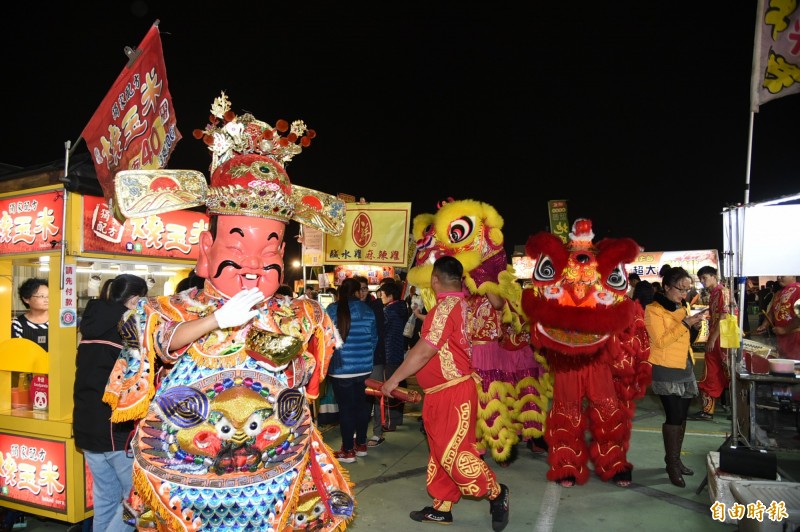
(23, 391)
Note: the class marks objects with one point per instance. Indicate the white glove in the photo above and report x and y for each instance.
(239, 309)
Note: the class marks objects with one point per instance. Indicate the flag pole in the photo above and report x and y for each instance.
(735, 354)
(755, 82)
(63, 273)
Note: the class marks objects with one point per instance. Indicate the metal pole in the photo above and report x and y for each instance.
(749, 161)
(62, 275)
(736, 268)
(303, 258)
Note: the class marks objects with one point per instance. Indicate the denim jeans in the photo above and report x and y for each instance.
(113, 479)
(354, 410)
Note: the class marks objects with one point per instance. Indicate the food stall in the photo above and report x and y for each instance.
(74, 242)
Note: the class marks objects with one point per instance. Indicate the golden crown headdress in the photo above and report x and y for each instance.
(228, 135)
(248, 176)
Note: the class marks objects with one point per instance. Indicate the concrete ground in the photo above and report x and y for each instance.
(390, 482)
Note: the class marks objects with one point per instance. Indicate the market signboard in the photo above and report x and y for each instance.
(559, 219)
(647, 264)
(32, 222)
(169, 234)
(374, 234)
(33, 471)
(312, 243)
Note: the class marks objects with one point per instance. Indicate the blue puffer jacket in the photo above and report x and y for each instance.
(356, 355)
(396, 314)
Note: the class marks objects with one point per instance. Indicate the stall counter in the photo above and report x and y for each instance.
(41, 471)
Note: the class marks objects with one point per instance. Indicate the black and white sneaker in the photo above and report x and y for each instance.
(499, 509)
(431, 515)
(700, 416)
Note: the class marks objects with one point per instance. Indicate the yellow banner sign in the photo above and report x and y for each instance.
(374, 233)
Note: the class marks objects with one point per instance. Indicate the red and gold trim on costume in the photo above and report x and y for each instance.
(515, 389)
(596, 345)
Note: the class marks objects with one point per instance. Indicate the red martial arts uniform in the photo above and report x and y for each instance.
(451, 401)
(716, 375)
(782, 316)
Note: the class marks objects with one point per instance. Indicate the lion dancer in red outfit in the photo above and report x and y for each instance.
(595, 340)
(514, 386)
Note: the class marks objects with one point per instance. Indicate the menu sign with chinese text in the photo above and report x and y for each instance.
(33, 471)
(68, 314)
(374, 233)
(31, 223)
(170, 234)
(313, 254)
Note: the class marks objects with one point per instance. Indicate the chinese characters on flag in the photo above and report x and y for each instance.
(134, 127)
(776, 52)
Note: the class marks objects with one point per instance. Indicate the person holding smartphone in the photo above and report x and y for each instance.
(672, 330)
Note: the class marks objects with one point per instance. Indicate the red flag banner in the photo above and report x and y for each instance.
(776, 52)
(134, 126)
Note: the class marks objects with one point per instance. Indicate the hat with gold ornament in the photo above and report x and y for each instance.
(248, 176)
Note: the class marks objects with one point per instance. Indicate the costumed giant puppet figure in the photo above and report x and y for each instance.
(595, 340)
(515, 386)
(226, 440)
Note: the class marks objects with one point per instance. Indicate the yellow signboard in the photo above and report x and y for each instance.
(374, 233)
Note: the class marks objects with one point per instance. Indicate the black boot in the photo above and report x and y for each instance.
(672, 447)
(684, 469)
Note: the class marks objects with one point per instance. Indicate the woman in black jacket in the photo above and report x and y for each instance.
(104, 444)
(395, 314)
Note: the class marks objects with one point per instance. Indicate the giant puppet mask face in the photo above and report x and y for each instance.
(247, 252)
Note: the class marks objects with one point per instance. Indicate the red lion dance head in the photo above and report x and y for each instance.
(577, 303)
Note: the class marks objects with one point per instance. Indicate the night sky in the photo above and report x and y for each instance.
(637, 113)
